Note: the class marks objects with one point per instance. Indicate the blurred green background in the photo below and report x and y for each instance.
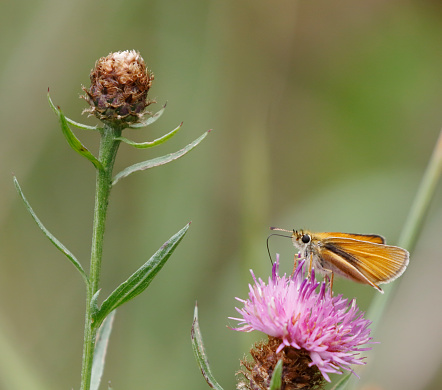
(324, 114)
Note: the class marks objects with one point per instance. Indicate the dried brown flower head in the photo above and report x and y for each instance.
(119, 86)
(296, 373)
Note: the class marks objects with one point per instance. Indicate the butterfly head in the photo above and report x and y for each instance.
(301, 239)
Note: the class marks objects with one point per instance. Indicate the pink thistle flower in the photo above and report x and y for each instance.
(302, 317)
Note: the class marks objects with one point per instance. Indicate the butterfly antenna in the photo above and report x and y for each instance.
(281, 230)
(276, 234)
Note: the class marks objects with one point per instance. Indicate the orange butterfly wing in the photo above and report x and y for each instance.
(343, 267)
(361, 237)
(376, 262)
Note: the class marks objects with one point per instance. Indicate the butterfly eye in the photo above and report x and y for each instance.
(306, 238)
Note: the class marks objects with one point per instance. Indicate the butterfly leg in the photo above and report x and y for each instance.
(310, 266)
(295, 263)
(330, 275)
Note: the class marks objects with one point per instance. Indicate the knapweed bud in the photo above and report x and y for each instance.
(297, 373)
(119, 86)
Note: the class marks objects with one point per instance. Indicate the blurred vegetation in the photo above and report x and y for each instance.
(324, 117)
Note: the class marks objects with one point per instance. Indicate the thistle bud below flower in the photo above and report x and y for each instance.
(297, 374)
(119, 86)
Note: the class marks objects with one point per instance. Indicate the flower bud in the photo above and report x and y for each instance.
(119, 86)
(297, 373)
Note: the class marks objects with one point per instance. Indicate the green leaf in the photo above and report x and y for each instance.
(276, 382)
(145, 145)
(73, 141)
(100, 350)
(149, 120)
(342, 384)
(141, 279)
(70, 121)
(49, 235)
(200, 353)
(94, 305)
(158, 161)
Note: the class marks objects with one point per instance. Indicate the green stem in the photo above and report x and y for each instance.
(409, 234)
(412, 227)
(108, 151)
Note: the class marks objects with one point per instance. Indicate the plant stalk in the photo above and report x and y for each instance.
(412, 227)
(108, 151)
(410, 231)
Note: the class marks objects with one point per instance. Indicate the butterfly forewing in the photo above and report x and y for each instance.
(361, 237)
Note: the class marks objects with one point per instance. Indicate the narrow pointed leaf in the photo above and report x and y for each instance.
(94, 304)
(155, 162)
(342, 384)
(275, 382)
(200, 353)
(70, 121)
(145, 145)
(141, 278)
(100, 350)
(49, 235)
(75, 143)
(149, 120)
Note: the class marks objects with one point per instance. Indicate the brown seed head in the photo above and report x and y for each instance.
(296, 374)
(119, 86)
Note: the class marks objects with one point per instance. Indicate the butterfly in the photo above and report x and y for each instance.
(363, 258)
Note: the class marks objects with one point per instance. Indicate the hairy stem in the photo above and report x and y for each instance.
(108, 150)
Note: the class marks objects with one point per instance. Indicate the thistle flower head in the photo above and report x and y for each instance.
(303, 316)
(119, 86)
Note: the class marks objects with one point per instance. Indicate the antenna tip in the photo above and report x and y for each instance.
(280, 229)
